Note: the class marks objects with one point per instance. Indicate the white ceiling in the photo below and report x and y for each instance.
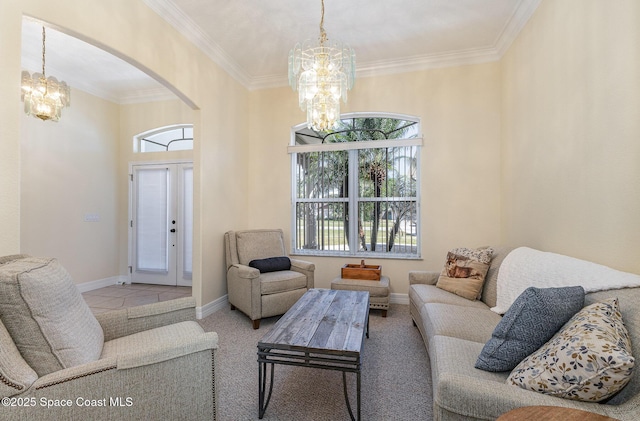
(251, 39)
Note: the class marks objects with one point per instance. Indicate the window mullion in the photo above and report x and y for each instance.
(354, 194)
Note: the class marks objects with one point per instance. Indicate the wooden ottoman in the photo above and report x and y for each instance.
(378, 290)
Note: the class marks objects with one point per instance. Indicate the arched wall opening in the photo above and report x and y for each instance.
(134, 31)
(72, 206)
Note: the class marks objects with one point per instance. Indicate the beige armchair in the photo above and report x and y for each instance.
(59, 361)
(258, 289)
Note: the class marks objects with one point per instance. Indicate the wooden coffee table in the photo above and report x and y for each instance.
(325, 329)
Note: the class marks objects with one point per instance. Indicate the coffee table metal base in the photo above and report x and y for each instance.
(324, 329)
(305, 359)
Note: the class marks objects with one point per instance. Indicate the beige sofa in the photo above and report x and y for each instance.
(58, 361)
(455, 330)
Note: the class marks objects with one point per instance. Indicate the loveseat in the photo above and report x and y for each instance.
(60, 362)
(455, 330)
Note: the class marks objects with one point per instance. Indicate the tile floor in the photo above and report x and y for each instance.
(128, 295)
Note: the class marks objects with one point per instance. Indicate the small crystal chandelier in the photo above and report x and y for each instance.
(322, 74)
(44, 97)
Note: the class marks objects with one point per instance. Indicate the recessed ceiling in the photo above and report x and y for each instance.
(251, 39)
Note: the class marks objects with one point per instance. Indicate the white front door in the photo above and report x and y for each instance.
(161, 225)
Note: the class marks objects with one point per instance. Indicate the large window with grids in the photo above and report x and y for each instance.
(355, 190)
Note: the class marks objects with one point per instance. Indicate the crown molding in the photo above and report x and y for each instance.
(511, 30)
(190, 30)
(185, 25)
(267, 82)
(431, 61)
(403, 65)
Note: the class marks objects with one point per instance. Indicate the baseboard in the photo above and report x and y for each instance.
(212, 307)
(101, 283)
(396, 298)
(201, 312)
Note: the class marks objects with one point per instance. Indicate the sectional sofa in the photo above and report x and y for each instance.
(455, 330)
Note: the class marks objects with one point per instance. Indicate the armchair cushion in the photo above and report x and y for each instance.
(281, 281)
(49, 321)
(15, 375)
(271, 264)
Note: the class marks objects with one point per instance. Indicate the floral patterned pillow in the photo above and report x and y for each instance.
(589, 359)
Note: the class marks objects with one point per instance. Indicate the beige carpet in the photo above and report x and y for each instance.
(396, 381)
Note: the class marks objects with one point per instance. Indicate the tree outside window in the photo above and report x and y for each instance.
(356, 188)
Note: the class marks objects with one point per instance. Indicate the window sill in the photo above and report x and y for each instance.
(363, 255)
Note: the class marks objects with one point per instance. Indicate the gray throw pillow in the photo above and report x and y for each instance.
(533, 318)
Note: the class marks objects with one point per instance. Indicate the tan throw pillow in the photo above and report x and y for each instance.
(589, 359)
(464, 272)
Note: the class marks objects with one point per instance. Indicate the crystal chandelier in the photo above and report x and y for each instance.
(44, 97)
(322, 74)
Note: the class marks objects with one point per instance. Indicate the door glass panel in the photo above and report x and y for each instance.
(188, 222)
(152, 215)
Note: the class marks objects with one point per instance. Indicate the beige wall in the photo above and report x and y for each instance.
(220, 120)
(10, 25)
(539, 149)
(68, 170)
(460, 175)
(571, 132)
(79, 166)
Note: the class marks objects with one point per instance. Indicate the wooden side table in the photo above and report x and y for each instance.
(551, 413)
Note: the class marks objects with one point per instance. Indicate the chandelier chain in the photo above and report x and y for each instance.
(43, 50)
(323, 34)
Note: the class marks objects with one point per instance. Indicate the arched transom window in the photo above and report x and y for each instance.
(177, 137)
